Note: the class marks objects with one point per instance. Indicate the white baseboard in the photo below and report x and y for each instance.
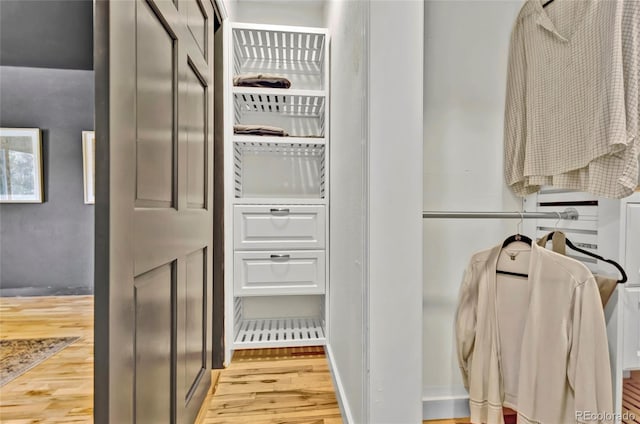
(345, 410)
(445, 408)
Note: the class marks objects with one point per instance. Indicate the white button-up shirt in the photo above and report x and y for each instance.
(572, 106)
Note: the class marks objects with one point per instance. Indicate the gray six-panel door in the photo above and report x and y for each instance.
(154, 131)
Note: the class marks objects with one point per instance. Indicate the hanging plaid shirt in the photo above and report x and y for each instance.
(572, 106)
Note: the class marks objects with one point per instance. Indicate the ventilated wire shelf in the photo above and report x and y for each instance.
(287, 170)
(274, 332)
(298, 56)
(301, 115)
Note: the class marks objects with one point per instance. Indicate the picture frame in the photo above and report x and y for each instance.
(21, 179)
(89, 166)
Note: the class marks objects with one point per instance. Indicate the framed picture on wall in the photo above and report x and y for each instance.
(89, 166)
(20, 165)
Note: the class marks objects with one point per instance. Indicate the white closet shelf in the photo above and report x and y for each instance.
(285, 171)
(274, 332)
(293, 52)
(248, 139)
(292, 103)
(296, 93)
(301, 113)
(279, 28)
(279, 43)
(285, 146)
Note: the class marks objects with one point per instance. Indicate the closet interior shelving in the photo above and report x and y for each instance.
(280, 187)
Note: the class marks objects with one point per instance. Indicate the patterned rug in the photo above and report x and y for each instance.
(18, 356)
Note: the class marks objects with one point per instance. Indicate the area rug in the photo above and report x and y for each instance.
(18, 356)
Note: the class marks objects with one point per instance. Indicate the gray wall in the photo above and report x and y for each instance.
(46, 33)
(47, 248)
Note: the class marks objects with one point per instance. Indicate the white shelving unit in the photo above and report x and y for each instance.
(629, 295)
(277, 203)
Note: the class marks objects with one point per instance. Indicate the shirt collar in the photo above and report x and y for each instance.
(544, 21)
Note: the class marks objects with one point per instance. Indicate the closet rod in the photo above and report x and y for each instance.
(569, 213)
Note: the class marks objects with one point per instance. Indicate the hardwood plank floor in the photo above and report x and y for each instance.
(269, 386)
(266, 386)
(59, 389)
(286, 386)
(631, 399)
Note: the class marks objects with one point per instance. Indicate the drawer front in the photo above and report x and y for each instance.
(279, 273)
(632, 328)
(279, 227)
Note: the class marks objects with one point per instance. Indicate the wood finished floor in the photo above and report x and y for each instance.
(290, 386)
(275, 386)
(60, 389)
(631, 399)
(267, 386)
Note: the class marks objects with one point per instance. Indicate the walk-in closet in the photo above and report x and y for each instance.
(332, 211)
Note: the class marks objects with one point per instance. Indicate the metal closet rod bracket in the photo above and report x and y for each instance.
(568, 214)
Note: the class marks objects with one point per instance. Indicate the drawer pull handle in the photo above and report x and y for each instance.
(280, 256)
(280, 211)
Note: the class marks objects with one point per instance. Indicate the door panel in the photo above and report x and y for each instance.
(195, 325)
(196, 132)
(153, 346)
(155, 109)
(154, 214)
(197, 22)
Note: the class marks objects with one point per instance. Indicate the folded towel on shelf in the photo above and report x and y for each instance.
(259, 130)
(261, 80)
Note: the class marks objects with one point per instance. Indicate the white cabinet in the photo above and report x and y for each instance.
(277, 186)
(631, 299)
(632, 249)
(279, 227)
(631, 335)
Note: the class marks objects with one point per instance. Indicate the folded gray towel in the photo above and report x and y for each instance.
(261, 80)
(259, 130)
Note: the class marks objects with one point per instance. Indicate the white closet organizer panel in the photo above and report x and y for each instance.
(279, 227)
(582, 232)
(279, 272)
(278, 321)
(279, 170)
(632, 248)
(295, 54)
(300, 113)
(631, 340)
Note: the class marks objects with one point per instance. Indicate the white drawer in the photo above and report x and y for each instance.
(279, 273)
(632, 328)
(279, 227)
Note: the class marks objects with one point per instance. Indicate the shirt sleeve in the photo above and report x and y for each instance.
(589, 370)
(631, 71)
(515, 117)
(631, 64)
(466, 318)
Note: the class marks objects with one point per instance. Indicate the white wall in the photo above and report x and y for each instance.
(278, 12)
(348, 203)
(465, 62)
(395, 203)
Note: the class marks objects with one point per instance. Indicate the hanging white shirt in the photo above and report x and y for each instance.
(572, 106)
(547, 356)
